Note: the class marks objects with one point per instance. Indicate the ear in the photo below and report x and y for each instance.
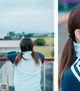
(77, 33)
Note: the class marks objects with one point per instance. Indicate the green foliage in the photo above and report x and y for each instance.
(11, 34)
(45, 50)
(29, 35)
(39, 42)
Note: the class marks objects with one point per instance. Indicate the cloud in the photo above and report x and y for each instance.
(30, 15)
(17, 3)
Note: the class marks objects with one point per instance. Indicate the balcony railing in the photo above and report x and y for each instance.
(6, 86)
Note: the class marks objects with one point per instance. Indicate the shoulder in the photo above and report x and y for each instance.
(41, 56)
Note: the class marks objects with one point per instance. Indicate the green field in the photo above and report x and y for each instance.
(48, 40)
(46, 50)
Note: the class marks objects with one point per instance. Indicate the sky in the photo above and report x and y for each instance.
(31, 16)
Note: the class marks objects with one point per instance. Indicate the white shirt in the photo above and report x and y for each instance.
(27, 74)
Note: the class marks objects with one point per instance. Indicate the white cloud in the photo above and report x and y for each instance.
(32, 15)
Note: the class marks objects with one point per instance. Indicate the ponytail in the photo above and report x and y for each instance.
(67, 58)
(35, 57)
(18, 58)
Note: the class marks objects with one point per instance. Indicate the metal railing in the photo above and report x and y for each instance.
(45, 59)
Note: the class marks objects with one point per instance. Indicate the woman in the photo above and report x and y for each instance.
(69, 72)
(27, 73)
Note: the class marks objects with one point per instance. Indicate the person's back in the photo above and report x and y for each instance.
(27, 74)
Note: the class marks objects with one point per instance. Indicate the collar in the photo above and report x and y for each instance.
(77, 49)
(27, 54)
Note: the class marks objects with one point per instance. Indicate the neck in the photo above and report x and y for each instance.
(77, 40)
(77, 49)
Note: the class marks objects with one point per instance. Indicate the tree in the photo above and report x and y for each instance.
(11, 34)
(52, 34)
(29, 35)
(39, 42)
(23, 33)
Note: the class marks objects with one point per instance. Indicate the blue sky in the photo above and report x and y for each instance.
(26, 15)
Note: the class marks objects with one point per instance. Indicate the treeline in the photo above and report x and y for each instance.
(65, 6)
(12, 35)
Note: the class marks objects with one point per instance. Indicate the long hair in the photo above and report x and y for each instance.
(68, 54)
(27, 44)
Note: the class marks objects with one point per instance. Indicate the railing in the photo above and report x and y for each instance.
(45, 59)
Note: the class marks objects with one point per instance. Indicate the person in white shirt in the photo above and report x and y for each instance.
(27, 72)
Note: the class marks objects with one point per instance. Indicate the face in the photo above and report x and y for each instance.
(77, 35)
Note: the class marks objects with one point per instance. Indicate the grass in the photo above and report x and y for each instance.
(49, 40)
(46, 50)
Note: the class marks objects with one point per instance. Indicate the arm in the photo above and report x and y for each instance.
(41, 57)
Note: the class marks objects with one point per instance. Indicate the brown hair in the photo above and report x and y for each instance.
(68, 54)
(26, 44)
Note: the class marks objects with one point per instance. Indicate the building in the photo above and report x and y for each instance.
(9, 45)
(2, 34)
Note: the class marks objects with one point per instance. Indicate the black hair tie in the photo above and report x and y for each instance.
(71, 36)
